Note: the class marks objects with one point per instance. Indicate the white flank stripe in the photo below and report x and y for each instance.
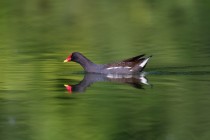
(144, 63)
(118, 68)
(127, 67)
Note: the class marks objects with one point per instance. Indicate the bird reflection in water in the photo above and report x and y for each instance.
(136, 81)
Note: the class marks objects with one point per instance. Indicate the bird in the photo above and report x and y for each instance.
(133, 65)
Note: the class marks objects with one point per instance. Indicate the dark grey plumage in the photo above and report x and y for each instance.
(128, 66)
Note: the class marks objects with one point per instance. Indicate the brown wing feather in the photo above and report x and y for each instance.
(122, 64)
(130, 62)
(133, 59)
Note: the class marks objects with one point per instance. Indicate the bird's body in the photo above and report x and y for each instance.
(129, 66)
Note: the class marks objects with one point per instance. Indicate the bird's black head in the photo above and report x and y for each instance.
(73, 57)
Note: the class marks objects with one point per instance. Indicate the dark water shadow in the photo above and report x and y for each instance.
(180, 67)
(179, 73)
(181, 70)
(136, 81)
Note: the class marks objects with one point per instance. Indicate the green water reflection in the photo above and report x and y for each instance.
(36, 36)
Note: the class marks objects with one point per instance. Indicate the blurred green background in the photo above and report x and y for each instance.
(37, 35)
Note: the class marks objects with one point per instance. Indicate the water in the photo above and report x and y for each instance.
(36, 36)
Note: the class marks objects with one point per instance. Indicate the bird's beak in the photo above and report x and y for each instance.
(68, 88)
(67, 59)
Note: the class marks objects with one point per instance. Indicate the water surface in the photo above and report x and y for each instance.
(36, 36)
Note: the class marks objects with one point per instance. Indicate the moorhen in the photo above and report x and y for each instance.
(132, 65)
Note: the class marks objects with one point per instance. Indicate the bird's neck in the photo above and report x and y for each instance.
(88, 65)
